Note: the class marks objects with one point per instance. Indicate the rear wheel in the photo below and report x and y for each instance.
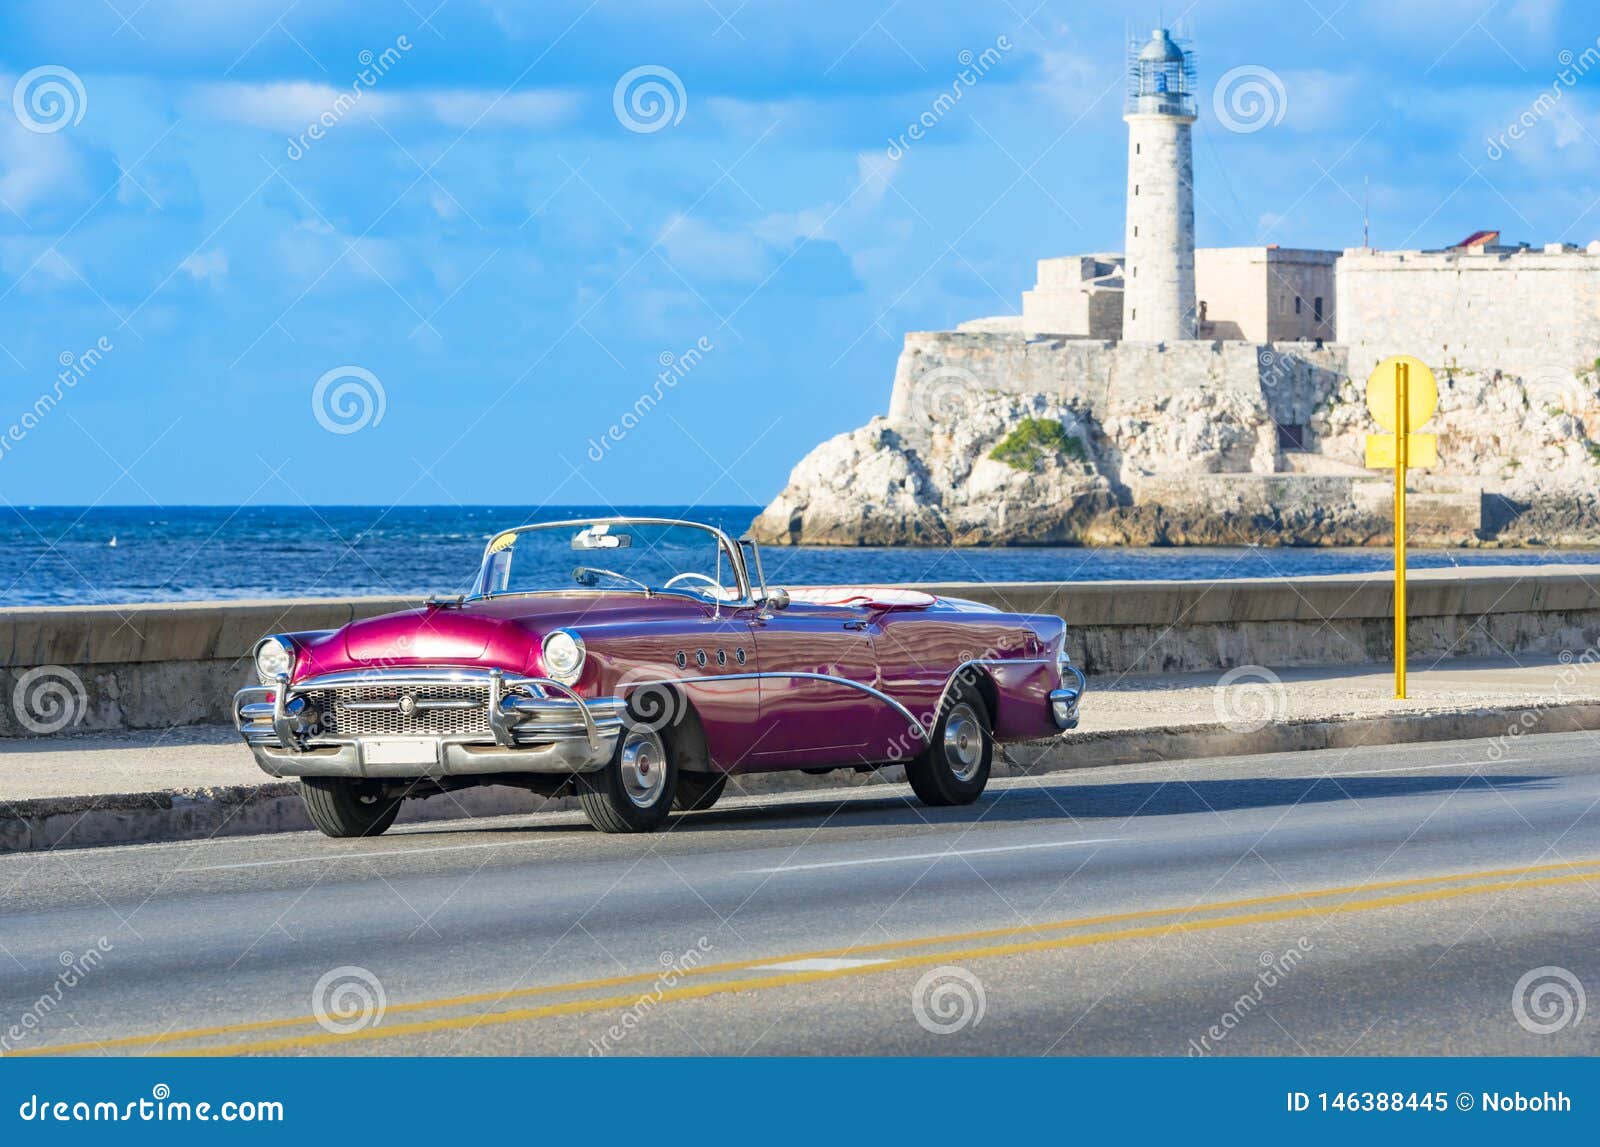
(634, 792)
(343, 808)
(698, 791)
(954, 768)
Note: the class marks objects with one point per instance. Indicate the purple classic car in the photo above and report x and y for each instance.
(638, 663)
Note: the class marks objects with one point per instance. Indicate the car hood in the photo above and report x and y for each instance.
(504, 633)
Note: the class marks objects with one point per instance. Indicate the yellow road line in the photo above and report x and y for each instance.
(154, 1041)
(725, 987)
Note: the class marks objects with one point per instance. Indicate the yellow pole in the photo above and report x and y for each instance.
(1402, 432)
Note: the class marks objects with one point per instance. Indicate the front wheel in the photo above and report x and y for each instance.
(344, 808)
(954, 768)
(634, 792)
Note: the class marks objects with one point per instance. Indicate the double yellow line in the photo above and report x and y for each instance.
(724, 978)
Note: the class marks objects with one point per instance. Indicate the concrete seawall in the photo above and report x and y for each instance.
(154, 666)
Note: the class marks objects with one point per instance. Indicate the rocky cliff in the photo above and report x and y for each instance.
(1000, 439)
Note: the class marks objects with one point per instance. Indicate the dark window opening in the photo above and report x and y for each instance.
(1316, 308)
(1136, 148)
(1291, 436)
(1202, 310)
(1297, 304)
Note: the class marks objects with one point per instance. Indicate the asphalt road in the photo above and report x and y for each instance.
(1372, 902)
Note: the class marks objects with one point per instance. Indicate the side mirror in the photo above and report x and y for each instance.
(778, 598)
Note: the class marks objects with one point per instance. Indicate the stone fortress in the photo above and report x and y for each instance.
(1175, 395)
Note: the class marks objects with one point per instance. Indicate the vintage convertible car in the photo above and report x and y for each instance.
(642, 679)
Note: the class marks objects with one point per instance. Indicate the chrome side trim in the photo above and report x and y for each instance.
(950, 682)
(911, 720)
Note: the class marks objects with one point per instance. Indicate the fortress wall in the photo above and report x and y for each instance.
(936, 365)
(1526, 313)
(1101, 375)
(1297, 377)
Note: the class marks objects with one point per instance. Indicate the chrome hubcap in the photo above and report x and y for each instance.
(963, 742)
(644, 768)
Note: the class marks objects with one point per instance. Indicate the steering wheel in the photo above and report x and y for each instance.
(711, 582)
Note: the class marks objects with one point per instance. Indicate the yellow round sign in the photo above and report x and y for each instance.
(1383, 392)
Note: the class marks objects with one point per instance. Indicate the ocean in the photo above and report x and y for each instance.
(72, 555)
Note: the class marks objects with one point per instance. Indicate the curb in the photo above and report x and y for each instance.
(45, 823)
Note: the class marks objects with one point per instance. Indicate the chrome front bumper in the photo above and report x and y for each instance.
(1064, 701)
(534, 725)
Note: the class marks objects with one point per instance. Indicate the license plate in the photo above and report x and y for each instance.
(400, 751)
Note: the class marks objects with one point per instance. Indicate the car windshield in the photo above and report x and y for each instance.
(637, 555)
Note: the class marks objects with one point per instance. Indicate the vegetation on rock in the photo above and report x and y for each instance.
(1025, 447)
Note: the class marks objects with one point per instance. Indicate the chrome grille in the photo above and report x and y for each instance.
(343, 712)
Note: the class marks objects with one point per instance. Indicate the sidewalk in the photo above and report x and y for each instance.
(190, 782)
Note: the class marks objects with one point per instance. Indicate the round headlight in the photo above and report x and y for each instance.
(563, 655)
(273, 656)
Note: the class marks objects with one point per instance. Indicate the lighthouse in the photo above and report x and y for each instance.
(1158, 274)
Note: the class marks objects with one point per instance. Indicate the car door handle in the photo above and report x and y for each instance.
(855, 625)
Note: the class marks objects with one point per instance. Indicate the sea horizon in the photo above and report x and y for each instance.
(80, 555)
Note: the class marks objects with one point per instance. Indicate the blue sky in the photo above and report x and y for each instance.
(482, 241)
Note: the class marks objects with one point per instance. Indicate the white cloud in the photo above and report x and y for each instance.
(733, 255)
(40, 171)
(463, 109)
(210, 265)
(289, 108)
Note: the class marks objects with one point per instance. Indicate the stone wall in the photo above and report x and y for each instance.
(1265, 294)
(1528, 313)
(152, 667)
